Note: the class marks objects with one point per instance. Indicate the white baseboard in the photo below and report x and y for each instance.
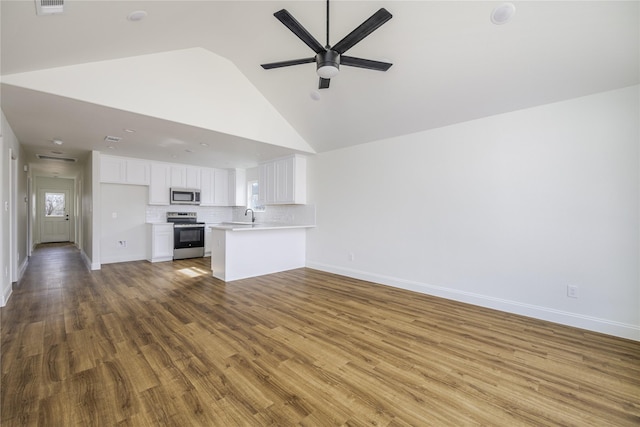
(87, 261)
(126, 258)
(23, 268)
(4, 298)
(590, 323)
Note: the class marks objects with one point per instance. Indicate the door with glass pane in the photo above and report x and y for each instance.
(54, 226)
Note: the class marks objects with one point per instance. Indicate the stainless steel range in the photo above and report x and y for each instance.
(188, 235)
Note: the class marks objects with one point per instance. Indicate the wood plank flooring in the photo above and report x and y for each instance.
(140, 344)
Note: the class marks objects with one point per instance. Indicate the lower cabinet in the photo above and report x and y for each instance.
(160, 242)
(207, 239)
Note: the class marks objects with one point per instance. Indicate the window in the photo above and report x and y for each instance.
(253, 196)
(54, 204)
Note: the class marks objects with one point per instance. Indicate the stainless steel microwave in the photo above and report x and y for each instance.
(184, 196)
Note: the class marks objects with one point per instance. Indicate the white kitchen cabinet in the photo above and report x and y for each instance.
(123, 170)
(161, 242)
(159, 184)
(267, 183)
(221, 187)
(183, 176)
(214, 187)
(283, 181)
(237, 187)
(178, 176)
(207, 239)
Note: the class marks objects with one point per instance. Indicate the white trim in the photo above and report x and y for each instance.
(88, 263)
(123, 258)
(5, 298)
(609, 327)
(23, 268)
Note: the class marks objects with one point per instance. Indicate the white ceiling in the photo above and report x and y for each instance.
(451, 64)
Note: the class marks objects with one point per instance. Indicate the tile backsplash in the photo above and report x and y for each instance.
(283, 214)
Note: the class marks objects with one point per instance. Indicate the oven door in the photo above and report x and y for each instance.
(188, 241)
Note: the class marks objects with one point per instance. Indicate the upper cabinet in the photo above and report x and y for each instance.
(214, 189)
(159, 184)
(283, 181)
(123, 170)
(237, 187)
(218, 187)
(183, 176)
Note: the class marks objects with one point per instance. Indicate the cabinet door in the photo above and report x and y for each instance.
(178, 176)
(159, 184)
(206, 187)
(163, 241)
(112, 170)
(285, 181)
(237, 187)
(137, 172)
(193, 177)
(207, 240)
(221, 187)
(267, 183)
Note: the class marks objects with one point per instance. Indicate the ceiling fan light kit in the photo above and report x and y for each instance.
(328, 64)
(329, 58)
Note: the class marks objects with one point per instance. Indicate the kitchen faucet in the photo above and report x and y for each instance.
(253, 218)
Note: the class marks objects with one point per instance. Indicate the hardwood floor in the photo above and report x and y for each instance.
(140, 344)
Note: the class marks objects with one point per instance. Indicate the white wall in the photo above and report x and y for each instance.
(502, 212)
(123, 214)
(12, 194)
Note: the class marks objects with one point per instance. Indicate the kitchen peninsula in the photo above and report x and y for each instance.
(243, 250)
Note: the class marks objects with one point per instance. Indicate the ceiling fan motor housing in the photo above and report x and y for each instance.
(328, 58)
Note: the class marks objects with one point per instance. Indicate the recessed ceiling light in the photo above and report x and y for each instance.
(57, 142)
(137, 15)
(129, 130)
(204, 144)
(503, 13)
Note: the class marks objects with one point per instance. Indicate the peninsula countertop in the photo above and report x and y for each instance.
(256, 226)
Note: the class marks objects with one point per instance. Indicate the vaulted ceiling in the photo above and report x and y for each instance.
(451, 64)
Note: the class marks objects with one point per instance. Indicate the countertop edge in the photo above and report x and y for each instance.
(256, 227)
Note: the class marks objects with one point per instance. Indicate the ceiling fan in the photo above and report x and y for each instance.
(329, 58)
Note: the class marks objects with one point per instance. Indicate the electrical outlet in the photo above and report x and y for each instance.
(572, 291)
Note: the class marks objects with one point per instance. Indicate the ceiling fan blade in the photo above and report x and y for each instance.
(366, 28)
(296, 28)
(324, 83)
(288, 63)
(364, 63)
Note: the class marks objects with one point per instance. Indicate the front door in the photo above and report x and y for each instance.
(54, 225)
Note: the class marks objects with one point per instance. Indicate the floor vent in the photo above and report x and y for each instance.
(61, 159)
(49, 7)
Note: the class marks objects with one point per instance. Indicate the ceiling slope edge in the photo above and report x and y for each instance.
(190, 86)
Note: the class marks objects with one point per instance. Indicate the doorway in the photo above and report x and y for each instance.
(54, 215)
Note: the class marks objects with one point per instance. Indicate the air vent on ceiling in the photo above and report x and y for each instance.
(112, 138)
(49, 7)
(61, 159)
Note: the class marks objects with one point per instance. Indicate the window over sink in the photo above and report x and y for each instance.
(253, 195)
